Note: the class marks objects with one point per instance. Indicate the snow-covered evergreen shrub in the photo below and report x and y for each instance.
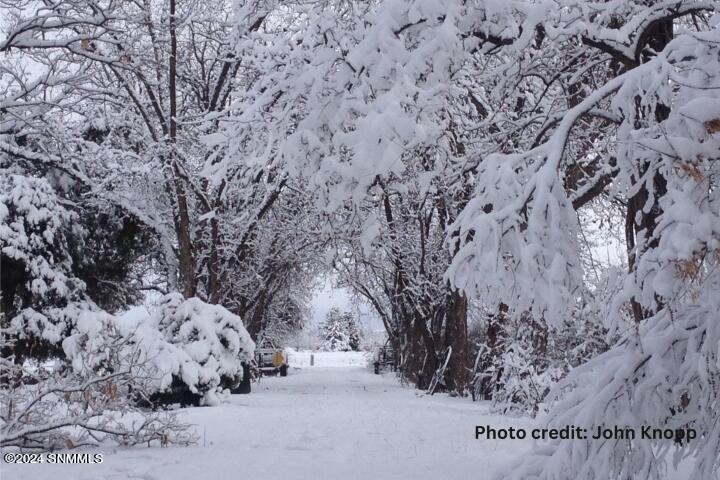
(335, 338)
(37, 283)
(207, 346)
(339, 332)
(188, 345)
(189, 351)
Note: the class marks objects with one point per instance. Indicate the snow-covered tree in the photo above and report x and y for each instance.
(651, 142)
(117, 101)
(438, 156)
(544, 108)
(339, 332)
(37, 280)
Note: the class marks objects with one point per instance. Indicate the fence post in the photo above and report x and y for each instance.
(312, 359)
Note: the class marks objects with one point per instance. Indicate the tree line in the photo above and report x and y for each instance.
(460, 166)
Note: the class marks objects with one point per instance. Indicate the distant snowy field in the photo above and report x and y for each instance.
(335, 420)
(327, 359)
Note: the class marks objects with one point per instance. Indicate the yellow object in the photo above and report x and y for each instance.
(278, 359)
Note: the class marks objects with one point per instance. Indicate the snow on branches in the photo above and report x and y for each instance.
(31, 234)
(339, 332)
(209, 346)
(44, 406)
(193, 351)
(521, 231)
(541, 108)
(462, 141)
(36, 263)
(101, 368)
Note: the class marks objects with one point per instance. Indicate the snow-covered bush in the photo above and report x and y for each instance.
(208, 346)
(187, 346)
(192, 351)
(48, 407)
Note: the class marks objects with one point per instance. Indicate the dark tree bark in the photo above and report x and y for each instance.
(456, 375)
(255, 324)
(496, 344)
(186, 257)
(637, 220)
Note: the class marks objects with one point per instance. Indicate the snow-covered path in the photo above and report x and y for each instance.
(317, 423)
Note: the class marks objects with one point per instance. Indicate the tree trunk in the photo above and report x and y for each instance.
(456, 375)
(418, 359)
(182, 222)
(637, 220)
(496, 345)
(214, 283)
(255, 323)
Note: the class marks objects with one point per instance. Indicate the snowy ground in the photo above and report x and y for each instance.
(335, 420)
(302, 359)
(317, 423)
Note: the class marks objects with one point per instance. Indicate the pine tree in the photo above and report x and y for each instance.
(37, 281)
(353, 331)
(340, 332)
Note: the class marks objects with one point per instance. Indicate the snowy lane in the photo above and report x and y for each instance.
(317, 423)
